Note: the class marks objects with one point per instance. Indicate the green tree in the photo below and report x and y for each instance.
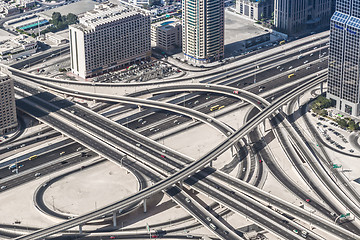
(342, 122)
(71, 18)
(352, 125)
(56, 18)
(323, 112)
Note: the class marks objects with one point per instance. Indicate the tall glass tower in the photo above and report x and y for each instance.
(203, 30)
(344, 53)
(293, 16)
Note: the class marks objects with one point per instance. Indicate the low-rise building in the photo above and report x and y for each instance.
(55, 38)
(255, 9)
(8, 118)
(166, 35)
(18, 46)
(26, 3)
(6, 11)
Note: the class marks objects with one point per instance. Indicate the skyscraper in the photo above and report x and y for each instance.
(344, 79)
(292, 16)
(8, 118)
(203, 30)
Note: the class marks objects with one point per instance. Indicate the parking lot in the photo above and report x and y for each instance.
(333, 134)
(141, 72)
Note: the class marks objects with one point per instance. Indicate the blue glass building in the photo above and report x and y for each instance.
(344, 53)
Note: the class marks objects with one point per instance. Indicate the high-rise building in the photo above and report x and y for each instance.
(255, 10)
(292, 16)
(203, 30)
(344, 53)
(8, 118)
(108, 37)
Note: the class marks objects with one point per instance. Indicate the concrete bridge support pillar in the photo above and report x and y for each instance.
(211, 163)
(321, 88)
(114, 219)
(139, 108)
(144, 203)
(267, 125)
(80, 229)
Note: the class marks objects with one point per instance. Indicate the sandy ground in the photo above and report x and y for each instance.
(90, 189)
(78, 193)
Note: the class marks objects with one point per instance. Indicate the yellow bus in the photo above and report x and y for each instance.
(291, 75)
(33, 157)
(213, 108)
(221, 107)
(282, 42)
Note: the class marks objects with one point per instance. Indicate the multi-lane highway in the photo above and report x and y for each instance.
(178, 167)
(210, 156)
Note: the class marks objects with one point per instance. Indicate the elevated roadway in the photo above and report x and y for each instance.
(188, 170)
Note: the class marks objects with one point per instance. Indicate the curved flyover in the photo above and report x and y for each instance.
(226, 130)
(190, 169)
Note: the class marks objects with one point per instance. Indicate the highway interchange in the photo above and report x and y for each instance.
(167, 167)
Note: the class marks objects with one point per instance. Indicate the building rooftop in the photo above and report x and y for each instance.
(3, 77)
(168, 22)
(16, 44)
(75, 8)
(103, 14)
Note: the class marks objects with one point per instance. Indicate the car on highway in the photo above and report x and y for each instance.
(3, 187)
(37, 174)
(308, 200)
(208, 218)
(236, 92)
(213, 226)
(295, 231)
(306, 62)
(187, 200)
(112, 237)
(260, 160)
(13, 166)
(62, 153)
